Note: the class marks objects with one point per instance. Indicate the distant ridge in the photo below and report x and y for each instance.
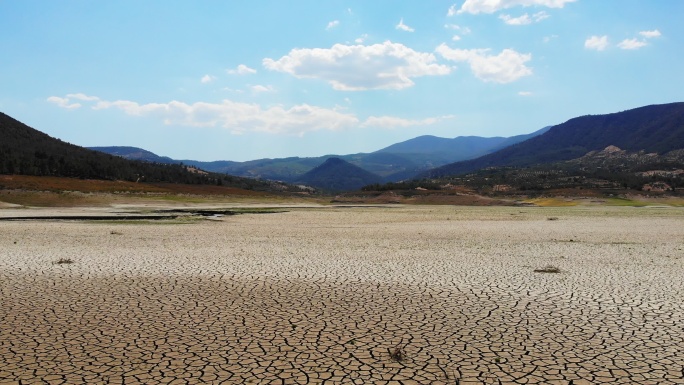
(135, 153)
(655, 128)
(336, 174)
(463, 146)
(397, 162)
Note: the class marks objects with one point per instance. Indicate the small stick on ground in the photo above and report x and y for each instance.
(547, 269)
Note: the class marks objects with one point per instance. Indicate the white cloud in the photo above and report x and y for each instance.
(491, 6)
(650, 34)
(389, 122)
(525, 93)
(456, 27)
(452, 11)
(207, 79)
(84, 97)
(632, 44)
(63, 102)
(259, 88)
(235, 116)
(242, 70)
(539, 16)
(332, 24)
(521, 20)
(358, 67)
(598, 43)
(404, 27)
(506, 67)
(524, 19)
(455, 38)
(361, 39)
(242, 118)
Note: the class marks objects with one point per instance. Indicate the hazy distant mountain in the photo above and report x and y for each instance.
(134, 153)
(656, 128)
(336, 174)
(397, 162)
(463, 147)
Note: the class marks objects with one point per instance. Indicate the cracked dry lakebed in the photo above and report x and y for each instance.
(361, 295)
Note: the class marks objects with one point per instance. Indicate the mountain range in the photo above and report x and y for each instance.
(655, 128)
(645, 141)
(27, 151)
(397, 162)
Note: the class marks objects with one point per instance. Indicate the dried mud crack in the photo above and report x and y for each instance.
(353, 296)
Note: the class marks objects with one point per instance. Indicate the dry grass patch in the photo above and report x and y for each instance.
(398, 354)
(552, 202)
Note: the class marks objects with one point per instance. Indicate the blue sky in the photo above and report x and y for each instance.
(242, 80)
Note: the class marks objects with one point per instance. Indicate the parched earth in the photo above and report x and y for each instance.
(384, 295)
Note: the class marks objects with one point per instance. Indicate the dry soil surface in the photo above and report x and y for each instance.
(383, 295)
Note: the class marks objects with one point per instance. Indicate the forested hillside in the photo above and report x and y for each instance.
(656, 128)
(26, 151)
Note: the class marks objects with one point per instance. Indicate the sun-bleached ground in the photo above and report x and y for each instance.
(356, 295)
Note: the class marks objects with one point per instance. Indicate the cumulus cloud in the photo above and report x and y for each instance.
(524, 19)
(358, 67)
(455, 38)
(63, 102)
(453, 10)
(506, 67)
(521, 20)
(389, 122)
(403, 27)
(242, 70)
(650, 34)
(332, 24)
(361, 39)
(207, 79)
(241, 118)
(491, 6)
(598, 43)
(632, 44)
(235, 116)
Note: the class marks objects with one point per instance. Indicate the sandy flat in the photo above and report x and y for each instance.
(388, 295)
